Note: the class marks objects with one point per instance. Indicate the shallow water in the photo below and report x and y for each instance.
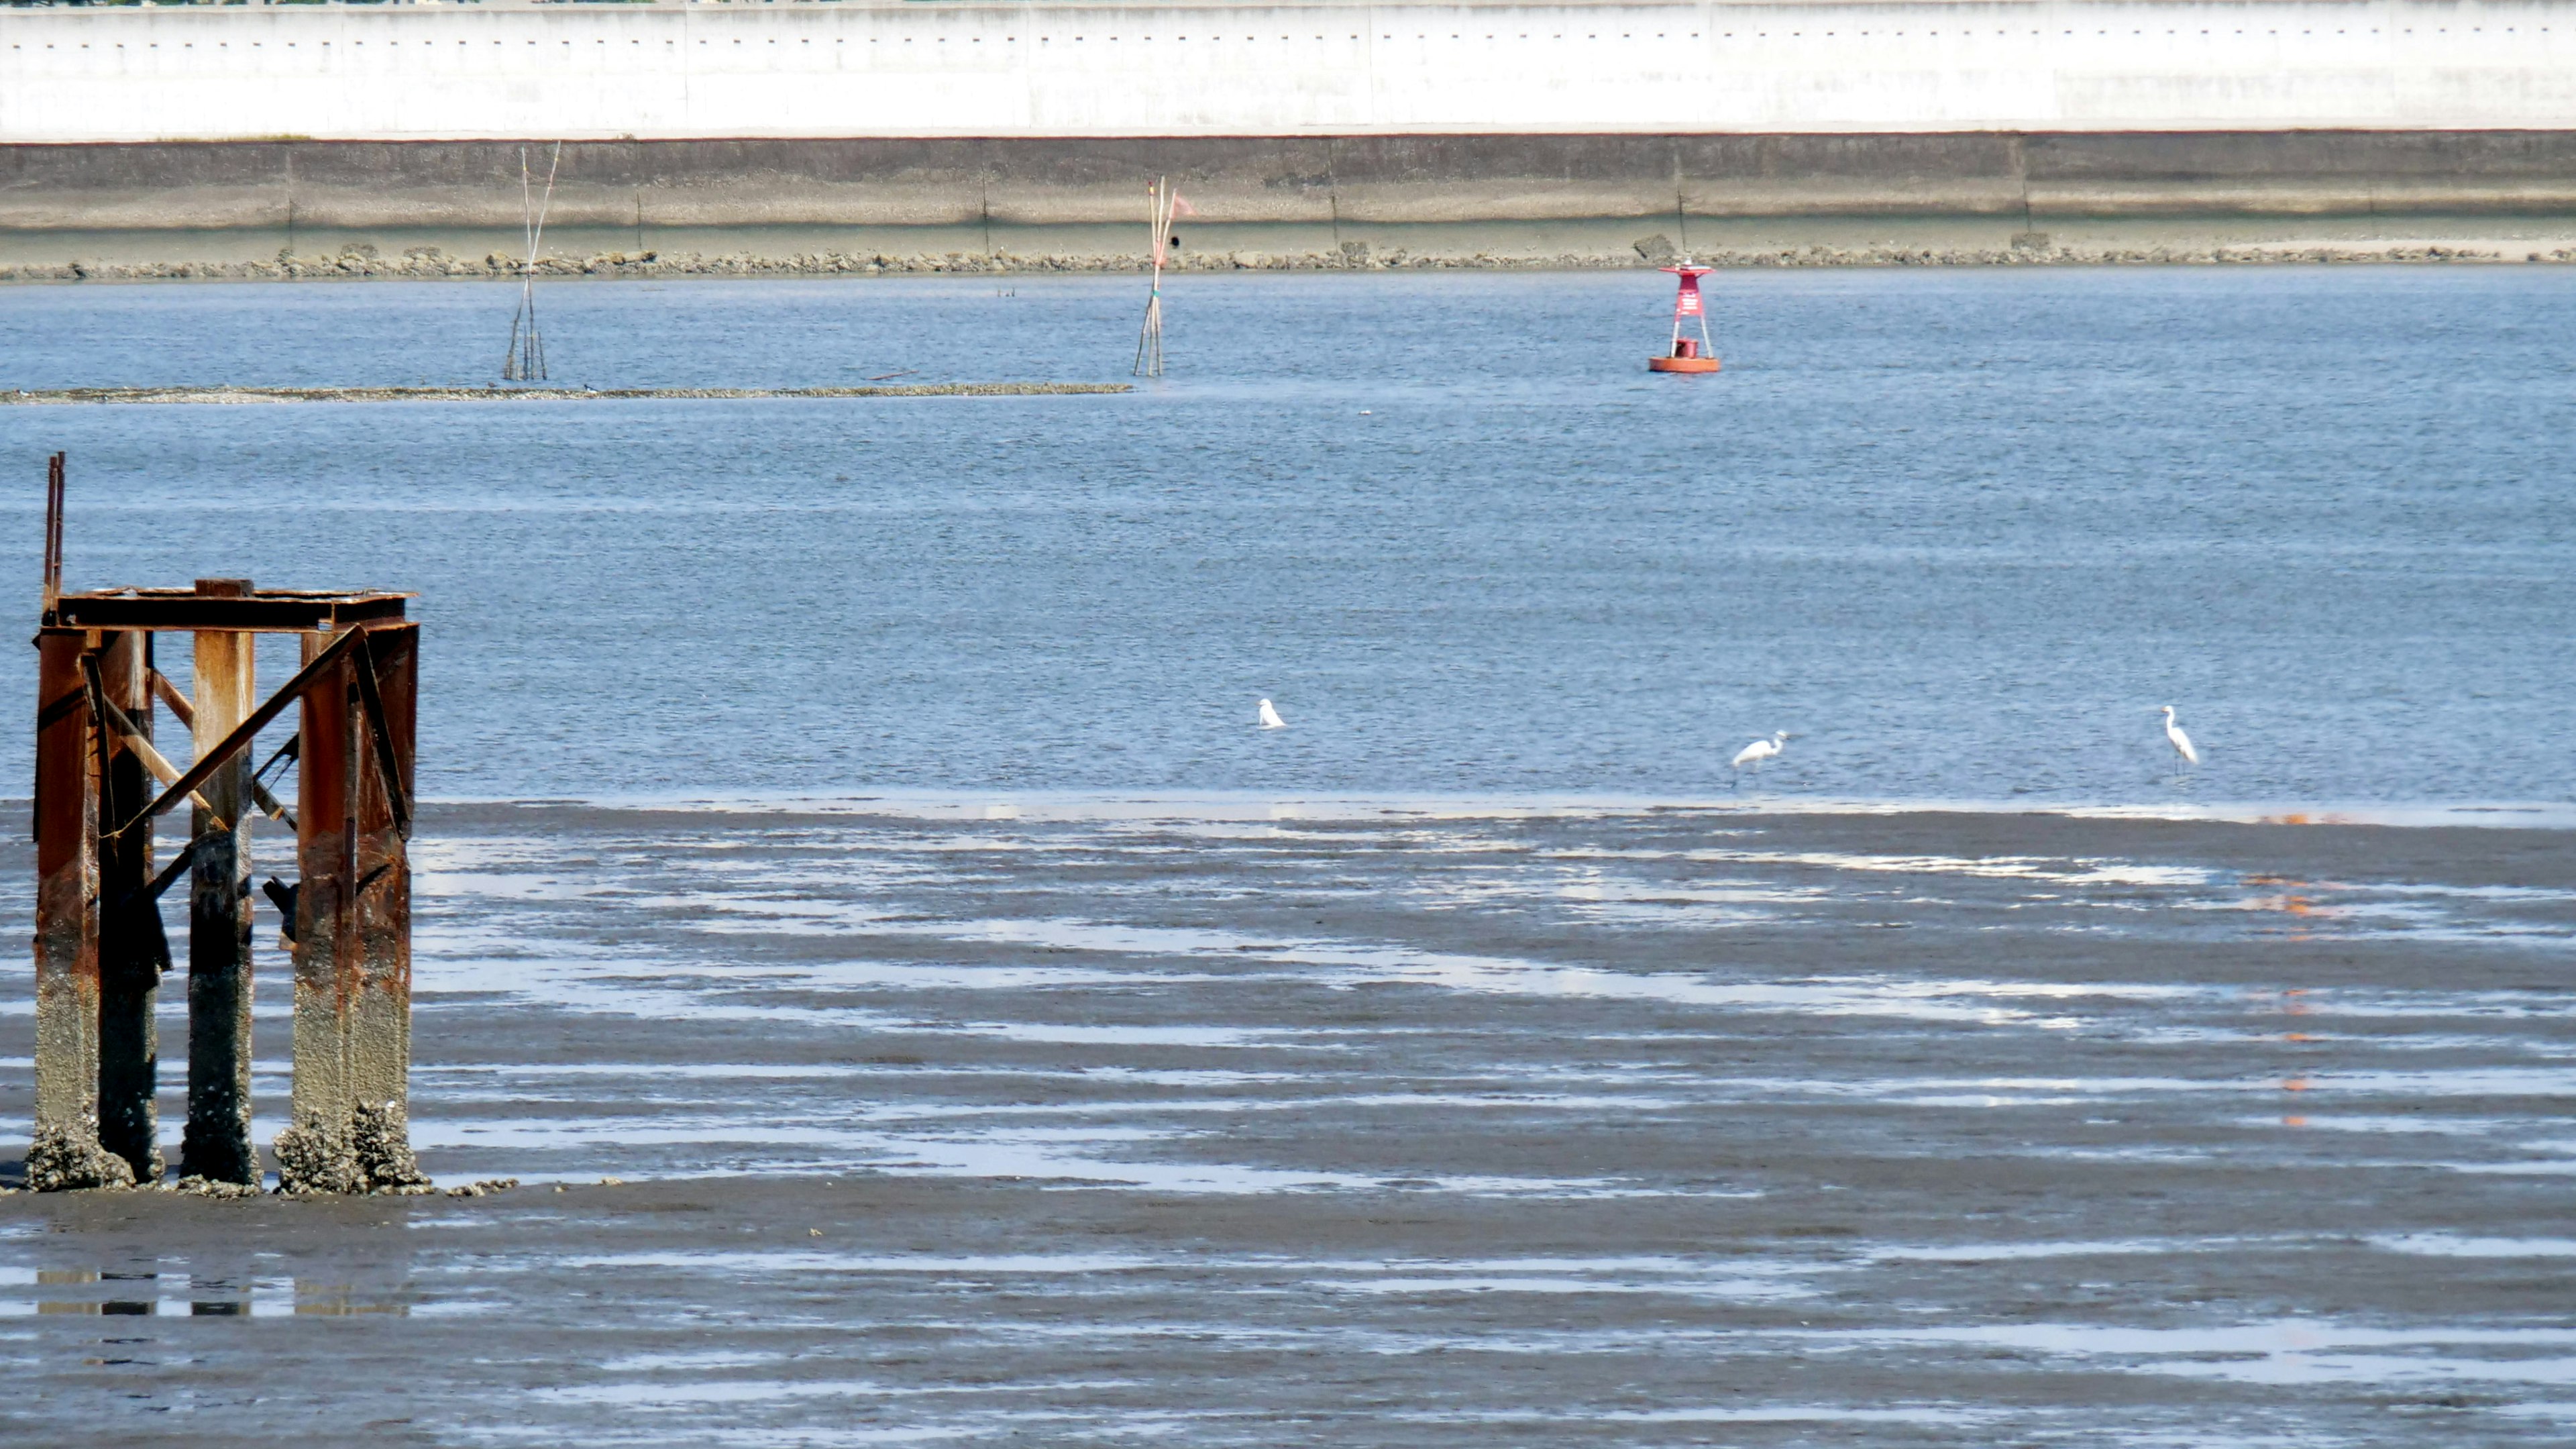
(1960, 532)
(1396, 1127)
(994, 1038)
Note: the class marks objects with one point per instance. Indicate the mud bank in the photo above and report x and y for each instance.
(30, 397)
(1401, 1126)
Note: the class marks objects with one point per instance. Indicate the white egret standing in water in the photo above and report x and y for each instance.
(1270, 719)
(1760, 750)
(2181, 741)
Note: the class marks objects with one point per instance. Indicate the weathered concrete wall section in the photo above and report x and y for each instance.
(888, 68)
(630, 190)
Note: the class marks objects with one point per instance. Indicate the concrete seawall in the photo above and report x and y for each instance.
(640, 186)
(288, 141)
(247, 208)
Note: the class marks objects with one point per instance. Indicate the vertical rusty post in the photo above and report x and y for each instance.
(217, 1145)
(65, 1151)
(314, 1153)
(388, 674)
(132, 950)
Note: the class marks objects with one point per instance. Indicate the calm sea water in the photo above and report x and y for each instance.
(1961, 533)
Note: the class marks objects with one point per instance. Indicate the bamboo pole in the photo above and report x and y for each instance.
(1149, 341)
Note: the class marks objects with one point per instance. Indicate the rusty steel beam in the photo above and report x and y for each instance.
(315, 1152)
(178, 703)
(132, 949)
(53, 530)
(132, 732)
(217, 1142)
(181, 610)
(65, 1151)
(100, 948)
(213, 757)
(386, 671)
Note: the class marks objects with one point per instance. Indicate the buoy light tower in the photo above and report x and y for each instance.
(1687, 354)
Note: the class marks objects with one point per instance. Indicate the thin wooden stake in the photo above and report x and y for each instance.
(1149, 341)
(526, 359)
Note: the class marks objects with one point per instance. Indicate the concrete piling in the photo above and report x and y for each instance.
(64, 1152)
(315, 1153)
(100, 945)
(217, 1145)
(132, 947)
(387, 674)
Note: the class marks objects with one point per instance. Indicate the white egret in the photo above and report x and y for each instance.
(1270, 719)
(2181, 741)
(1760, 750)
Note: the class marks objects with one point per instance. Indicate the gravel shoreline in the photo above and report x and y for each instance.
(361, 261)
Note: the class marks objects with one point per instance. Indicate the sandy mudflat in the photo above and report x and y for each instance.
(1649, 1127)
(62, 395)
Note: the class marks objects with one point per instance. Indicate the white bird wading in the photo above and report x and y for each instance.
(2181, 742)
(1270, 719)
(1760, 750)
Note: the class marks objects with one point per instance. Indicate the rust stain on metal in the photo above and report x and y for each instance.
(386, 669)
(65, 1152)
(217, 1146)
(101, 780)
(132, 947)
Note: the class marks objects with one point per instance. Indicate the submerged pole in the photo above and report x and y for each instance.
(217, 1143)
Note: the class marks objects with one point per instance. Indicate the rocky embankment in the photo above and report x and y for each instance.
(361, 261)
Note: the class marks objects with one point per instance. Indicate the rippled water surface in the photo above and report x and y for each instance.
(1392, 1126)
(1960, 533)
(917, 1006)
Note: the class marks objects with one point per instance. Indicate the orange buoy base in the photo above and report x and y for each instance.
(1681, 364)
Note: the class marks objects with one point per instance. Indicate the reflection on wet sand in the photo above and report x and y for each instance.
(56, 1291)
(1600, 1125)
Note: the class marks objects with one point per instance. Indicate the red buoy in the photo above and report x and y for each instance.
(1688, 354)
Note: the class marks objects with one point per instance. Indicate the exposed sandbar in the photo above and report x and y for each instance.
(37, 396)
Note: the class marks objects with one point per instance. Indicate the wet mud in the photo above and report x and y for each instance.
(40, 397)
(1368, 1127)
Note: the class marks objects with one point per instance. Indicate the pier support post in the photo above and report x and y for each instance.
(388, 674)
(315, 1153)
(132, 948)
(217, 1144)
(100, 948)
(64, 1152)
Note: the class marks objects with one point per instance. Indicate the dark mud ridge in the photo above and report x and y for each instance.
(30, 396)
(2029, 249)
(1705, 1125)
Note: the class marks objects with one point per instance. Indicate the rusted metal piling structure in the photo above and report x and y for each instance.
(100, 944)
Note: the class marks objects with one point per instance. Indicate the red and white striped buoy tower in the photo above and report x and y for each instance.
(1688, 354)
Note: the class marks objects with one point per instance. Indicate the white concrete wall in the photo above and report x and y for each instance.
(887, 68)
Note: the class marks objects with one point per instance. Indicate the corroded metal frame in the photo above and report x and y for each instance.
(100, 947)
